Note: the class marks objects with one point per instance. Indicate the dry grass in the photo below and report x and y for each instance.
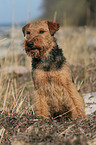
(13, 97)
(17, 98)
(74, 43)
(75, 49)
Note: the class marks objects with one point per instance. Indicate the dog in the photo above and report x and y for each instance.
(54, 91)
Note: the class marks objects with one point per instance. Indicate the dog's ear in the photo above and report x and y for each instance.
(53, 27)
(25, 27)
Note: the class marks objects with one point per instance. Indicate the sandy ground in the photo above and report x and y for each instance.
(90, 102)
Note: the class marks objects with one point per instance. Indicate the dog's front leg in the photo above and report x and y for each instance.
(40, 80)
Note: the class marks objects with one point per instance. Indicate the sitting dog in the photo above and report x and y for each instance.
(54, 91)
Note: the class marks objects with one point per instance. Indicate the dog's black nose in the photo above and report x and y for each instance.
(30, 44)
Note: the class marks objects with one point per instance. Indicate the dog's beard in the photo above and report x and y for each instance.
(34, 52)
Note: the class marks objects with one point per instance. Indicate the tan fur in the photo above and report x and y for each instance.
(60, 92)
(54, 91)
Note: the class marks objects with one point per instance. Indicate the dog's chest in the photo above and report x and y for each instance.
(50, 84)
(44, 70)
(53, 61)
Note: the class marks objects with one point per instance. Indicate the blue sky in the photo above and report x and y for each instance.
(20, 11)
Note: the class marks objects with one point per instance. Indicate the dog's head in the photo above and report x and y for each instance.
(39, 37)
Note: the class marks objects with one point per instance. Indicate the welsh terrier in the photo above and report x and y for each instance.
(54, 91)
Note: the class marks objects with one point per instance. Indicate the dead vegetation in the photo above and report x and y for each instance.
(31, 129)
(18, 123)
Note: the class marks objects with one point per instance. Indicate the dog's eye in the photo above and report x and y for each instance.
(41, 31)
(28, 32)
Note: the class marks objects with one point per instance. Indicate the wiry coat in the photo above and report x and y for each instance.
(54, 91)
